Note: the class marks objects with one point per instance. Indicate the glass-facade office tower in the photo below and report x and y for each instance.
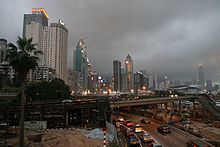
(124, 80)
(140, 82)
(129, 71)
(81, 64)
(117, 75)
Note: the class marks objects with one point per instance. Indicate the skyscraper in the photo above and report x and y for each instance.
(81, 63)
(209, 85)
(55, 47)
(39, 15)
(201, 77)
(151, 81)
(124, 80)
(52, 40)
(117, 75)
(6, 72)
(129, 71)
(140, 82)
(35, 31)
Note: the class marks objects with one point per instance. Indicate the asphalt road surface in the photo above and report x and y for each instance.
(173, 139)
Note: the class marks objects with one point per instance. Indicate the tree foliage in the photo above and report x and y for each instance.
(55, 90)
(23, 58)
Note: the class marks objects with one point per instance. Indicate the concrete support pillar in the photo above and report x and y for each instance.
(172, 106)
(81, 114)
(67, 118)
(179, 106)
(111, 119)
(194, 109)
(155, 110)
(65, 115)
(165, 109)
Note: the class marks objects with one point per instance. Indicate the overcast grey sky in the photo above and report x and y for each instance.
(168, 37)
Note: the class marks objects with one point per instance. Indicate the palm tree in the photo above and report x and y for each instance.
(23, 58)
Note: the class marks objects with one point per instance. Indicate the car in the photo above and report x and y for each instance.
(126, 122)
(157, 145)
(143, 121)
(130, 125)
(67, 101)
(137, 128)
(147, 138)
(164, 129)
(133, 140)
(121, 118)
(154, 144)
(129, 132)
(196, 143)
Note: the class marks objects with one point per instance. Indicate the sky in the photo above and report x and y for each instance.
(165, 37)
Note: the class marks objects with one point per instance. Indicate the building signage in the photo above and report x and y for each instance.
(61, 22)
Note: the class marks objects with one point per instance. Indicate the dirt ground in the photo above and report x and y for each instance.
(59, 138)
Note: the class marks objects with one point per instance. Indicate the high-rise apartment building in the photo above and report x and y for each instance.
(55, 48)
(129, 71)
(81, 63)
(201, 77)
(35, 31)
(6, 72)
(117, 75)
(52, 40)
(3, 50)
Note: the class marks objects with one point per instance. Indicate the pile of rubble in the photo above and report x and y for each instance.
(68, 138)
(59, 138)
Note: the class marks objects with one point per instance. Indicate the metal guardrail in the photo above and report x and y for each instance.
(139, 141)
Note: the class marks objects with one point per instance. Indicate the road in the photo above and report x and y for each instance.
(173, 139)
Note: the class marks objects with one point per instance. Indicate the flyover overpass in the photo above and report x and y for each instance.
(147, 101)
(204, 100)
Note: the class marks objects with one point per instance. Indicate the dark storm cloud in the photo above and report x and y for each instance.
(169, 37)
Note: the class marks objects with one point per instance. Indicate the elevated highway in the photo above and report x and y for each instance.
(204, 100)
(159, 100)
